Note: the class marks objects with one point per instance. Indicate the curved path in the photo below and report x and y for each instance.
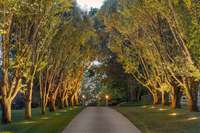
(100, 120)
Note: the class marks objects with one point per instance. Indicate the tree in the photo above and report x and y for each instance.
(143, 37)
(23, 23)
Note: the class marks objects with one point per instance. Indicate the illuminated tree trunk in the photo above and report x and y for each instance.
(6, 111)
(175, 98)
(178, 100)
(43, 105)
(76, 99)
(155, 99)
(66, 102)
(163, 98)
(43, 108)
(52, 106)
(43, 92)
(192, 99)
(173, 101)
(62, 102)
(52, 101)
(28, 108)
(42, 99)
(72, 101)
(5, 88)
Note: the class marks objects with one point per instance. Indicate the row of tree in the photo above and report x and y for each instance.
(158, 43)
(47, 43)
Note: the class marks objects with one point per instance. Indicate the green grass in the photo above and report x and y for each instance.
(154, 120)
(50, 123)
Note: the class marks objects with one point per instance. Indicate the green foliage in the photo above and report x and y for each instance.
(156, 41)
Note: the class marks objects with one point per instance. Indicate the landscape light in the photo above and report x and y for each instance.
(192, 118)
(173, 114)
(107, 97)
(153, 107)
(44, 118)
(144, 106)
(161, 109)
(83, 96)
(29, 122)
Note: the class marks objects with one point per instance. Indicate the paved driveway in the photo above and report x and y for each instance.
(100, 120)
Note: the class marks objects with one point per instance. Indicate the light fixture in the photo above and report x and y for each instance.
(83, 96)
(173, 114)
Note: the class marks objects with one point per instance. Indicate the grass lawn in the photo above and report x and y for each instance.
(150, 119)
(50, 123)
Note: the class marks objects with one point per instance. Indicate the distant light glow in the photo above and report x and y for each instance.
(144, 106)
(192, 118)
(88, 4)
(44, 118)
(152, 107)
(57, 114)
(162, 109)
(83, 96)
(173, 114)
(29, 122)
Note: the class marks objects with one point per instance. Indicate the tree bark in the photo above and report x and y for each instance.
(192, 99)
(173, 101)
(28, 108)
(6, 111)
(52, 105)
(62, 103)
(66, 102)
(43, 107)
(5, 89)
(192, 102)
(176, 99)
(155, 98)
(163, 99)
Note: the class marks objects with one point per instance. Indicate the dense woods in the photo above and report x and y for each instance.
(48, 46)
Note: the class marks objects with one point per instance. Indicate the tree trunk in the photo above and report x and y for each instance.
(178, 95)
(155, 98)
(163, 99)
(28, 108)
(6, 111)
(5, 91)
(192, 99)
(62, 103)
(173, 101)
(52, 106)
(66, 102)
(43, 108)
(72, 101)
(192, 105)
(76, 99)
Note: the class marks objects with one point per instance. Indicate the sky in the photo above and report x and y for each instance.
(88, 4)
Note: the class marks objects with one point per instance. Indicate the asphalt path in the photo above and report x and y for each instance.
(100, 120)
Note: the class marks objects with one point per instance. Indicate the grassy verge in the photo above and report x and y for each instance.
(49, 123)
(150, 119)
